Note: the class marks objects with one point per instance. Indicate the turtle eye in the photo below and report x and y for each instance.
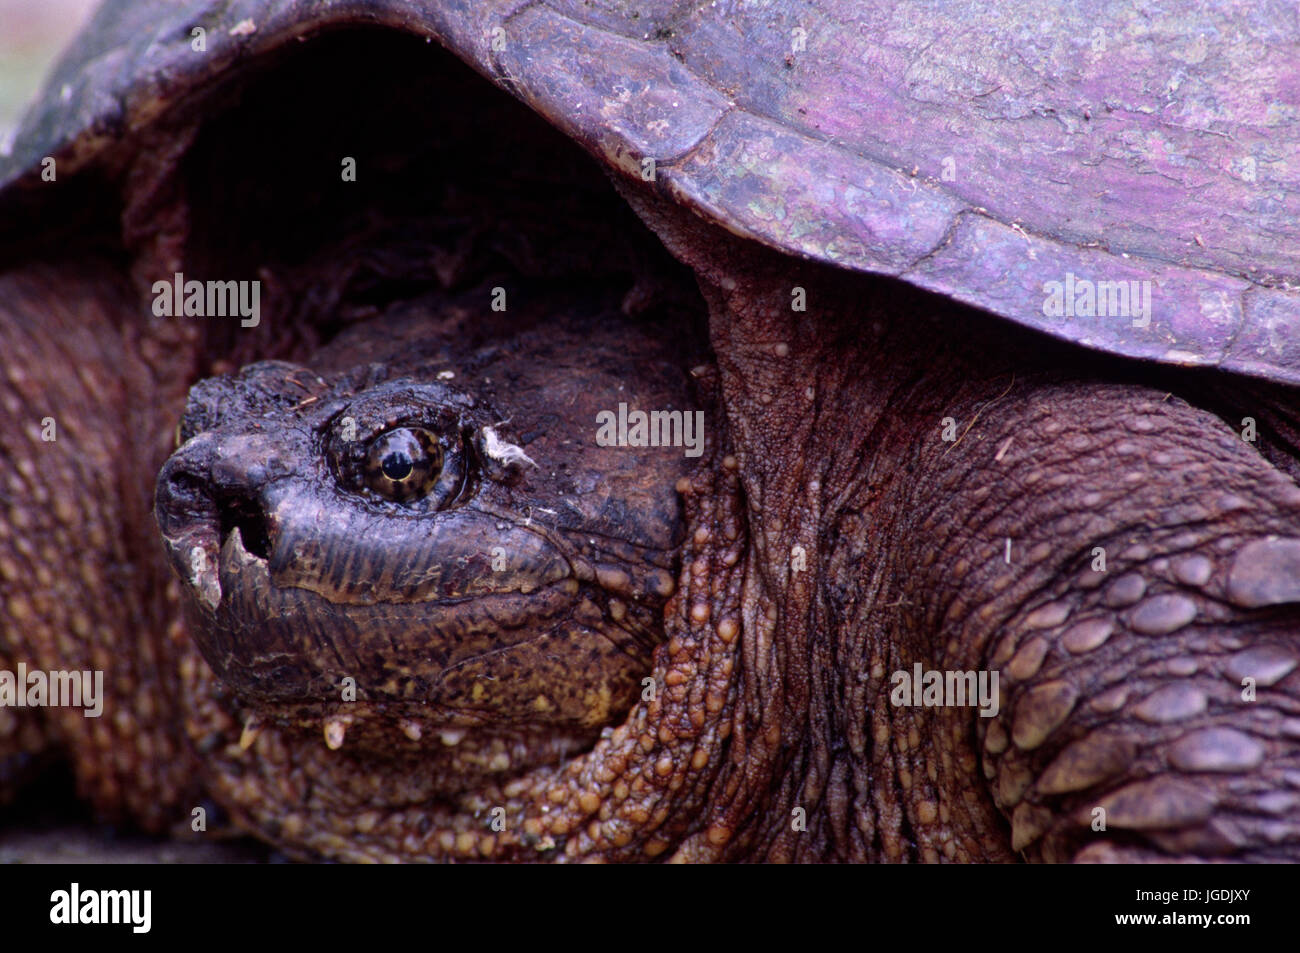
(403, 464)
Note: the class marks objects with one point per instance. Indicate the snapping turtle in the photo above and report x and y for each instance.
(931, 497)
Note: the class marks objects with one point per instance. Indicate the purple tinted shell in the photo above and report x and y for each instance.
(1127, 180)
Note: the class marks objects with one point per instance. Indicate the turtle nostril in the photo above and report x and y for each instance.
(246, 515)
(182, 498)
(183, 489)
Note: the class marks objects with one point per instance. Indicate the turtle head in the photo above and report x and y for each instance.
(398, 552)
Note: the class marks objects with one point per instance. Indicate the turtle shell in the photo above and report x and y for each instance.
(1123, 180)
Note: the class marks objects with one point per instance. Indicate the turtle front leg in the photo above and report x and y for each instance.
(83, 594)
(1130, 569)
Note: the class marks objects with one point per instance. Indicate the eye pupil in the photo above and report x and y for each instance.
(397, 466)
(402, 464)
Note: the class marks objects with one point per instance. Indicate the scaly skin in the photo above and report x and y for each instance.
(79, 579)
(1122, 689)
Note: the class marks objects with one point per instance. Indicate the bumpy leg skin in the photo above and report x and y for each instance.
(80, 573)
(1131, 569)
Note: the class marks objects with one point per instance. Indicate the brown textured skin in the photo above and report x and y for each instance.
(774, 684)
(78, 571)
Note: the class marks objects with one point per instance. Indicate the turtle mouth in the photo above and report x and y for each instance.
(244, 525)
(465, 724)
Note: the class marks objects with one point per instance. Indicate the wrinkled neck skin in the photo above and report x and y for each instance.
(827, 405)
